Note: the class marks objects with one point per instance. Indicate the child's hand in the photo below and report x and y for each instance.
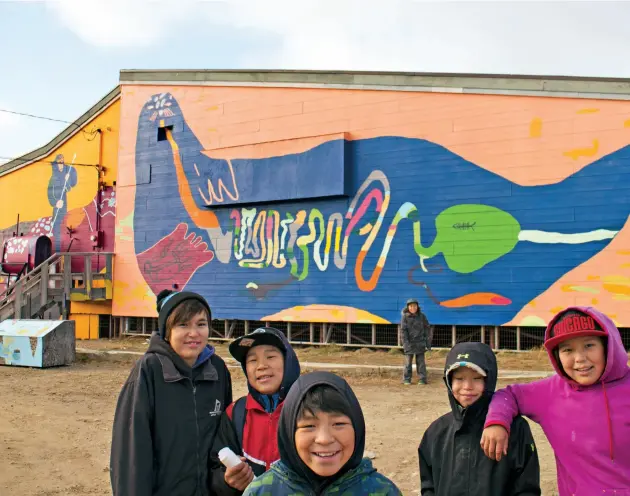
(240, 476)
(494, 442)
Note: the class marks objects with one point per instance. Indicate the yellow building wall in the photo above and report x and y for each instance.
(92, 307)
(25, 192)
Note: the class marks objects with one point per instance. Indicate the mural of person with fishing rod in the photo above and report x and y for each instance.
(62, 180)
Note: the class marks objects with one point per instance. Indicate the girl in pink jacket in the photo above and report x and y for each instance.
(584, 409)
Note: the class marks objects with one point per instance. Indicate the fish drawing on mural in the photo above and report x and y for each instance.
(463, 226)
(498, 244)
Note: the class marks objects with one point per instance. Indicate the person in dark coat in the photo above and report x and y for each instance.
(169, 408)
(416, 340)
(452, 461)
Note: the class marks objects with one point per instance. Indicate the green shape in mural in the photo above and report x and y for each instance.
(470, 236)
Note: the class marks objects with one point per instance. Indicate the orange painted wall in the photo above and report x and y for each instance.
(527, 140)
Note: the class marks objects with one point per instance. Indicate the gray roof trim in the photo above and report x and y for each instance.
(554, 86)
(19, 162)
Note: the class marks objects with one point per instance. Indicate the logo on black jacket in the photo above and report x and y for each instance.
(217, 409)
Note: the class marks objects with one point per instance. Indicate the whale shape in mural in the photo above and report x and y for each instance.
(484, 246)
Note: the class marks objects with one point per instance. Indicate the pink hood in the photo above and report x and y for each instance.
(588, 427)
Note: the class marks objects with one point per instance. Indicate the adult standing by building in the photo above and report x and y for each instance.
(417, 334)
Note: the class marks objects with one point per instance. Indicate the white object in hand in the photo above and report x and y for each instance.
(229, 458)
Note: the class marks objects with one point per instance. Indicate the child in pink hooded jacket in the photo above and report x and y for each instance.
(584, 409)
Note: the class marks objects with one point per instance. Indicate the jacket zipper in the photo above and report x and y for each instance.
(197, 426)
(269, 445)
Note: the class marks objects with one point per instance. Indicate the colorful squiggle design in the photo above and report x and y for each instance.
(469, 236)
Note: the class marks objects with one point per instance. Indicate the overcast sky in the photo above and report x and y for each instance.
(60, 57)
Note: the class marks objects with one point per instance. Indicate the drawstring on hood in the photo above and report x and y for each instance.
(610, 431)
(616, 356)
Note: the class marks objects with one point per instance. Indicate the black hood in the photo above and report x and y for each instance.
(476, 356)
(288, 422)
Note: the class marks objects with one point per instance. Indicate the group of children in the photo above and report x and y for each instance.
(301, 434)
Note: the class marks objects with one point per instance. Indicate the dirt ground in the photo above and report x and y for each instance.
(56, 426)
(535, 360)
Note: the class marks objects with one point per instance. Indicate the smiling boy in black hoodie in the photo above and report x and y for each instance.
(452, 462)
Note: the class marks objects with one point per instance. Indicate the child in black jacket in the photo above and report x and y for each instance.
(452, 462)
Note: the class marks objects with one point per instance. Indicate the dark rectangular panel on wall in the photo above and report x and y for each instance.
(323, 173)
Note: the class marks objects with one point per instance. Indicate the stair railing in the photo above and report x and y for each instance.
(53, 279)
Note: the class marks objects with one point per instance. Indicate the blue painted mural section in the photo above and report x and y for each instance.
(293, 177)
(429, 223)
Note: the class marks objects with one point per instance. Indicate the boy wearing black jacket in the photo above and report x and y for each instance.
(452, 462)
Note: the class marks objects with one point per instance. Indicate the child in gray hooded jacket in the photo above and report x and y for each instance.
(416, 340)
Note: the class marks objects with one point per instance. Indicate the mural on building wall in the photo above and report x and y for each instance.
(71, 231)
(57, 204)
(348, 229)
(62, 180)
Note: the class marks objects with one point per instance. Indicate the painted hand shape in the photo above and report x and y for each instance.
(174, 259)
